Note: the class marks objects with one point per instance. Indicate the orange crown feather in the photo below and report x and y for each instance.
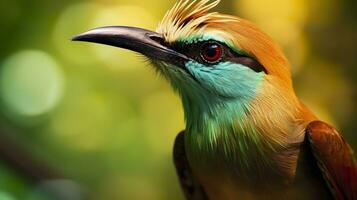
(188, 18)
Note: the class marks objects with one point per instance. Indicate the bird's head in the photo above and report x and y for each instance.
(207, 56)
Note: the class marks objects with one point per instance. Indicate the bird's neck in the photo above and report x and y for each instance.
(238, 132)
(222, 130)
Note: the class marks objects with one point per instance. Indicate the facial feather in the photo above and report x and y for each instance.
(191, 19)
(236, 114)
(240, 107)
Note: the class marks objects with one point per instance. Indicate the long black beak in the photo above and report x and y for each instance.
(148, 43)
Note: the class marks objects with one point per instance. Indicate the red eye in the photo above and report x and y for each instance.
(211, 52)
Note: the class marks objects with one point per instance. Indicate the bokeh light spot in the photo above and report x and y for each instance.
(73, 20)
(284, 21)
(31, 83)
(6, 196)
(327, 79)
(98, 119)
(130, 184)
(258, 10)
(163, 119)
(125, 16)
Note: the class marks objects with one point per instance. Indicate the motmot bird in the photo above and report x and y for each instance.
(247, 135)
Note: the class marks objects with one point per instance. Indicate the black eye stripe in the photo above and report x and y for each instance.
(193, 51)
(247, 61)
(250, 62)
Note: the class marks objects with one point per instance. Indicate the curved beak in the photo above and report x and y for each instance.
(148, 43)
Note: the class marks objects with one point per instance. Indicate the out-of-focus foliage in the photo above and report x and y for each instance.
(102, 116)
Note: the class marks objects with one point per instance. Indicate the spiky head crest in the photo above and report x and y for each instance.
(271, 117)
(191, 19)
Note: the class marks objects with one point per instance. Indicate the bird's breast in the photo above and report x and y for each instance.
(222, 179)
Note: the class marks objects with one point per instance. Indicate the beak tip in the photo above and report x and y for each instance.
(91, 35)
(77, 38)
(140, 40)
(73, 39)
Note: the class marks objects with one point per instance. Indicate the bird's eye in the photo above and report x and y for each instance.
(212, 52)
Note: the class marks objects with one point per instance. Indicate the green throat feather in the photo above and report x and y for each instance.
(217, 100)
(216, 106)
(216, 122)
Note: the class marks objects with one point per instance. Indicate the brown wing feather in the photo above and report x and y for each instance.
(334, 158)
(189, 184)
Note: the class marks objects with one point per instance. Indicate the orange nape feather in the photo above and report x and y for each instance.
(192, 18)
(244, 127)
(275, 112)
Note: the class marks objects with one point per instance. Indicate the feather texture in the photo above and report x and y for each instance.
(335, 159)
(262, 123)
(239, 123)
(192, 19)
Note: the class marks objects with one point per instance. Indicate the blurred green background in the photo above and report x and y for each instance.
(102, 118)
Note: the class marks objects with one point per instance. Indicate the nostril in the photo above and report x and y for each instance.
(157, 38)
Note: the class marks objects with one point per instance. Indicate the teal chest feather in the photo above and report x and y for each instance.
(227, 139)
(218, 128)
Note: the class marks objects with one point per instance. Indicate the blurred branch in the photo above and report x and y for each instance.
(19, 159)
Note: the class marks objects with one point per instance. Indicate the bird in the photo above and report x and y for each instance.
(247, 134)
